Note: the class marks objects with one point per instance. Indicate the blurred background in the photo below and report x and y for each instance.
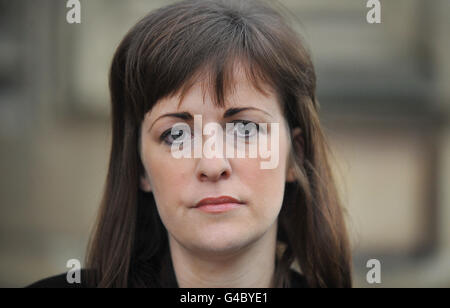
(384, 91)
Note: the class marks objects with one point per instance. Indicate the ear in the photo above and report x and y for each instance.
(298, 148)
(145, 183)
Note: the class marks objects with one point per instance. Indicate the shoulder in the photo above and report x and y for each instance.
(298, 280)
(58, 281)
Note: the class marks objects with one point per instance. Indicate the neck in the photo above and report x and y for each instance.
(252, 266)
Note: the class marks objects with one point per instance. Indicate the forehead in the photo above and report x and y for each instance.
(198, 99)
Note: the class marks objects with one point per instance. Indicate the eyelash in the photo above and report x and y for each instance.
(167, 133)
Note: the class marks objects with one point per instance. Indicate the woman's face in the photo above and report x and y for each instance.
(178, 184)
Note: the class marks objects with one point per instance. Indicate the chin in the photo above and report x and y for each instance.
(223, 242)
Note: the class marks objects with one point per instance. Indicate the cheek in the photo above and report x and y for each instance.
(168, 176)
(262, 182)
(265, 178)
(266, 186)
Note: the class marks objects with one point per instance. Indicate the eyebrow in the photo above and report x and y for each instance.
(188, 117)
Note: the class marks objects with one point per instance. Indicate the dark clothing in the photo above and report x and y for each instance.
(59, 281)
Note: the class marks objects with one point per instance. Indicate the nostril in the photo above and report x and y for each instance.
(213, 170)
(223, 175)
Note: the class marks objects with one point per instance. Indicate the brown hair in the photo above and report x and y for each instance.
(163, 54)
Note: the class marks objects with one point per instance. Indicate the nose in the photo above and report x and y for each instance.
(213, 169)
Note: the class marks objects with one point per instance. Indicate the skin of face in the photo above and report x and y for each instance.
(178, 184)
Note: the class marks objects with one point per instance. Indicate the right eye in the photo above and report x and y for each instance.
(176, 134)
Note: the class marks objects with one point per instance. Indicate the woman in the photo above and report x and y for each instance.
(216, 221)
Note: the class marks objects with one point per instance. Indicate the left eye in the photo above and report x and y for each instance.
(245, 129)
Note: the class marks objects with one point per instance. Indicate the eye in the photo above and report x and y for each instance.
(245, 129)
(177, 134)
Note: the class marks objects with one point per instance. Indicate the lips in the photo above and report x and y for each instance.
(217, 201)
(218, 204)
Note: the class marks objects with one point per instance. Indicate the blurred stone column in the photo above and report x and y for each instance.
(441, 48)
(441, 44)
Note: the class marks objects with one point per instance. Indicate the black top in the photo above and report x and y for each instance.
(59, 281)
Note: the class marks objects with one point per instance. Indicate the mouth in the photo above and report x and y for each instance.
(218, 204)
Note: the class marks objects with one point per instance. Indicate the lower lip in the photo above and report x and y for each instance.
(218, 208)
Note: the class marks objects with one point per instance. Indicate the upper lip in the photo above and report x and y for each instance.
(218, 200)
